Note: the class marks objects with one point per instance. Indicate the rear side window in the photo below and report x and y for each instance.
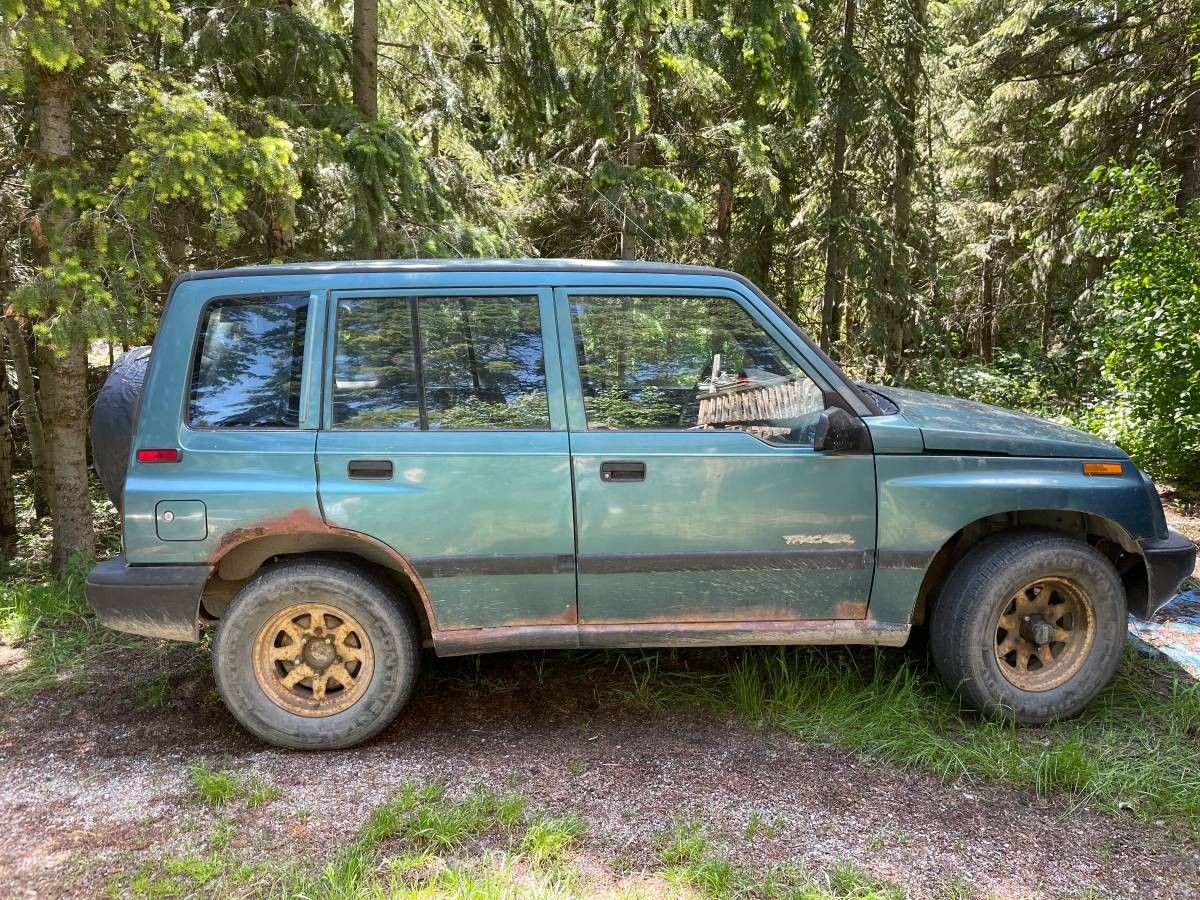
(439, 363)
(249, 363)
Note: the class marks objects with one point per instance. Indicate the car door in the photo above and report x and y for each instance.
(445, 437)
(699, 496)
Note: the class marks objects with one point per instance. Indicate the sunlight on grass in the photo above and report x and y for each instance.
(53, 630)
(1137, 748)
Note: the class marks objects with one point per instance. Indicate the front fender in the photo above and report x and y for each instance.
(924, 500)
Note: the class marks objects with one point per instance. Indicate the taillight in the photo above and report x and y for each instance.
(171, 454)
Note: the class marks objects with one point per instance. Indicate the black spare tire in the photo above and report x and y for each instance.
(114, 417)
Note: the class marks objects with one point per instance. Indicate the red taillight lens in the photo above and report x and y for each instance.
(154, 456)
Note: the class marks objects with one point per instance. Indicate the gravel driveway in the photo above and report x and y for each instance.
(96, 783)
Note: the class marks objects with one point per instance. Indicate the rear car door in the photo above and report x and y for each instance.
(445, 437)
(699, 496)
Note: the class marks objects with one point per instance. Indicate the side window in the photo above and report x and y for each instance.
(467, 363)
(248, 363)
(688, 363)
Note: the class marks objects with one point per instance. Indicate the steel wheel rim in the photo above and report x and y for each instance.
(313, 659)
(1044, 633)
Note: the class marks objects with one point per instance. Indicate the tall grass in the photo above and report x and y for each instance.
(1137, 748)
(52, 628)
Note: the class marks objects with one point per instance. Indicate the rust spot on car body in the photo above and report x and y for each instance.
(241, 551)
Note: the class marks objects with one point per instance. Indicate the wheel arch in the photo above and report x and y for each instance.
(1106, 535)
(240, 560)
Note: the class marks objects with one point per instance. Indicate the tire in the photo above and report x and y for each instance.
(114, 417)
(360, 634)
(1008, 581)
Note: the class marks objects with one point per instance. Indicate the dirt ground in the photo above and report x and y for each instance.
(95, 783)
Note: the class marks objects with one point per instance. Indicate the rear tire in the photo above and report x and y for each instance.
(315, 655)
(1029, 626)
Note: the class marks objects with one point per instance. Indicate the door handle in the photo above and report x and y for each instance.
(369, 468)
(622, 470)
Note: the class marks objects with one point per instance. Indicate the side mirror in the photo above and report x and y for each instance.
(837, 431)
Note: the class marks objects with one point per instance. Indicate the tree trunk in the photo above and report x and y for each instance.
(62, 370)
(65, 399)
(1189, 140)
(787, 281)
(281, 239)
(366, 58)
(8, 500)
(633, 138)
(31, 418)
(833, 295)
(725, 215)
(987, 281)
(899, 279)
(633, 158)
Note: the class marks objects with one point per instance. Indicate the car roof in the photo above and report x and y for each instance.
(460, 265)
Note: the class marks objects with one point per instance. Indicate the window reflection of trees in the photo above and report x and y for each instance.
(482, 364)
(647, 362)
(248, 366)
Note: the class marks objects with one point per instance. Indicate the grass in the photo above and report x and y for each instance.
(484, 844)
(692, 864)
(1135, 749)
(218, 788)
(52, 628)
(444, 847)
(211, 787)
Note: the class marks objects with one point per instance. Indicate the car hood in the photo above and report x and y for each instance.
(949, 424)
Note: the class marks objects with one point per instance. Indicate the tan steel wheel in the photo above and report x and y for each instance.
(313, 659)
(1044, 634)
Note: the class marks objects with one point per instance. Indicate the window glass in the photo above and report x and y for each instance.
(481, 364)
(688, 363)
(248, 365)
(374, 373)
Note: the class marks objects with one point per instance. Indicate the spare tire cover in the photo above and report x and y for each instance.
(114, 417)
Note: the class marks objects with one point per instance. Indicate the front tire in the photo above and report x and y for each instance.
(1029, 626)
(315, 655)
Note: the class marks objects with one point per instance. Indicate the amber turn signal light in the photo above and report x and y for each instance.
(1103, 468)
(155, 456)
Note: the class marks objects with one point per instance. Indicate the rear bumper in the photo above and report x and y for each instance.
(1168, 563)
(155, 601)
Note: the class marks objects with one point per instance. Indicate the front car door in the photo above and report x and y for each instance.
(445, 437)
(699, 496)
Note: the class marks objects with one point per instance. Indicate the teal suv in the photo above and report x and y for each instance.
(338, 464)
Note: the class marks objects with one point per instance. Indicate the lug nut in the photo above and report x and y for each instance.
(329, 640)
(297, 660)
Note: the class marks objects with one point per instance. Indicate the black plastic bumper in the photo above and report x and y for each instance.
(1168, 563)
(156, 601)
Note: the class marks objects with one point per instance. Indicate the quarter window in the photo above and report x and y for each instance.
(467, 363)
(248, 364)
(688, 363)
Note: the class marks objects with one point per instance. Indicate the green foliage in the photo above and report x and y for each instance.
(525, 411)
(614, 408)
(213, 787)
(547, 840)
(1148, 330)
(1046, 384)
